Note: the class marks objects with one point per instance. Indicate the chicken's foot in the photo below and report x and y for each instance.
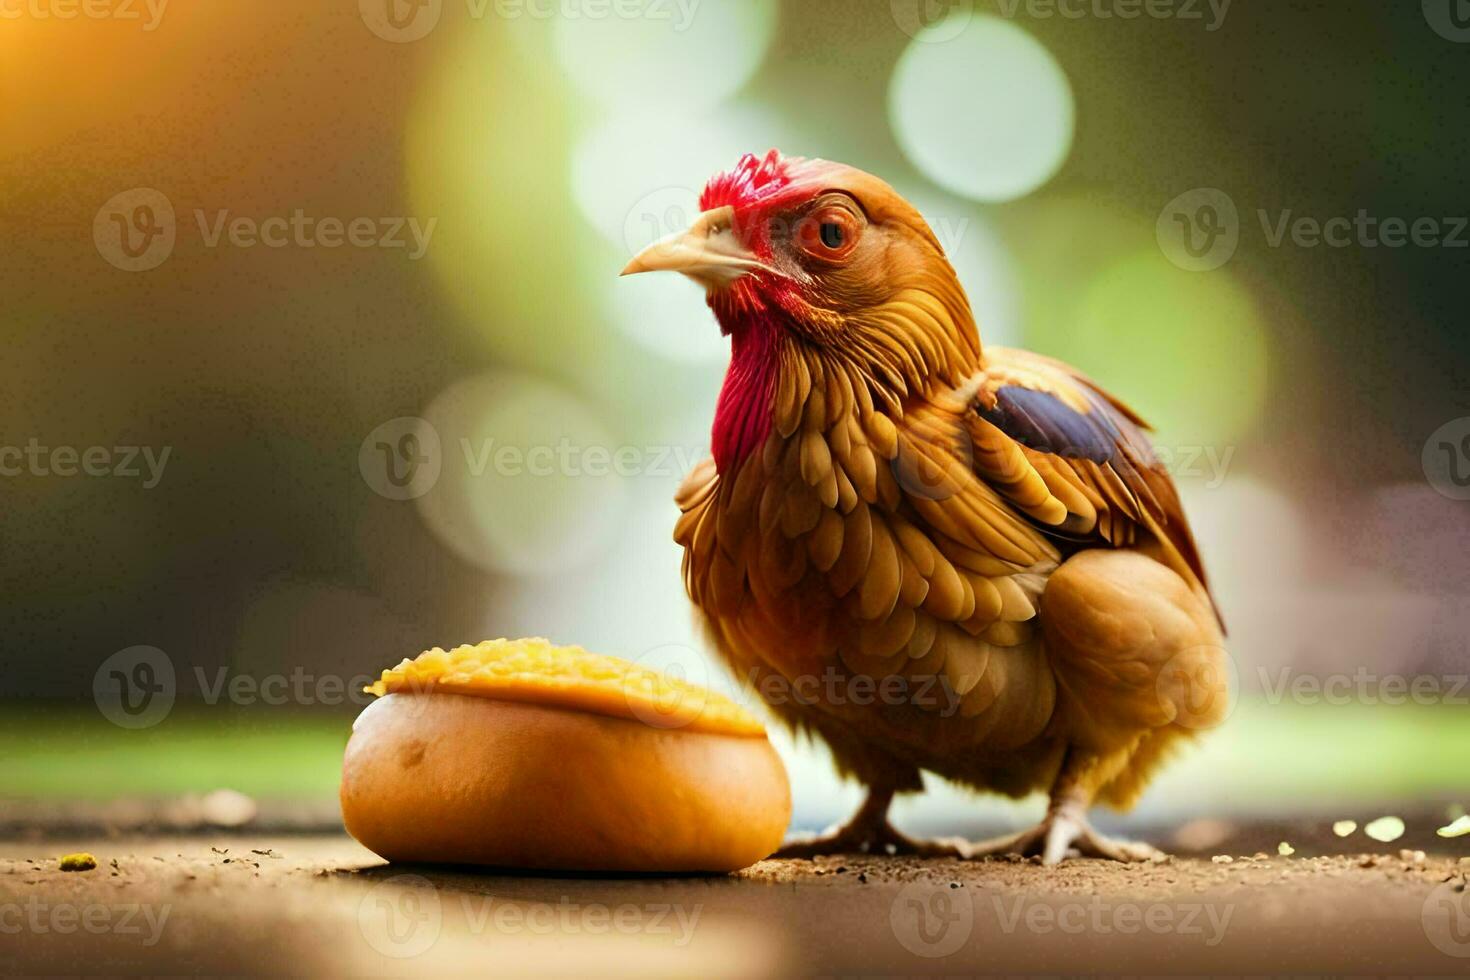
(869, 832)
(1065, 830)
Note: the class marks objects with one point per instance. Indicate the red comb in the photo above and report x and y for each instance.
(759, 180)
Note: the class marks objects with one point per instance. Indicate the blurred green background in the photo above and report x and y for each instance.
(537, 145)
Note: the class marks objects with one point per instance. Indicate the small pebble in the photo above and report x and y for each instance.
(1223, 859)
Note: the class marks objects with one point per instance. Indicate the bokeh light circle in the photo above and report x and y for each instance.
(653, 55)
(638, 178)
(528, 485)
(987, 115)
(666, 314)
(1187, 351)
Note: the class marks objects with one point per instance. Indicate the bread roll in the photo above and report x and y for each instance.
(519, 754)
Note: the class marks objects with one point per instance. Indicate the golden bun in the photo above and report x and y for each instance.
(554, 775)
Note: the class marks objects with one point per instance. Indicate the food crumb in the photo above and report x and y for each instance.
(1285, 849)
(1459, 827)
(81, 861)
(1344, 827)
(1223, 859)
(1385, 829)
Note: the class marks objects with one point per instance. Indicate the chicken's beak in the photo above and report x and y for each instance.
(709, 253)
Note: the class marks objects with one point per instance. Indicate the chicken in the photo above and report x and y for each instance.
(931, 555)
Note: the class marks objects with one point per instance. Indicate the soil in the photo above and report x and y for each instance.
(321, 904)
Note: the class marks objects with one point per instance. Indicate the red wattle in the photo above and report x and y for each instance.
(743, 414)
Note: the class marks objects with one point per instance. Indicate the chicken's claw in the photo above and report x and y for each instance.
(1065, 832)
(852, 838)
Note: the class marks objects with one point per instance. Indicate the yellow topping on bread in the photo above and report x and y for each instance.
(536, 671)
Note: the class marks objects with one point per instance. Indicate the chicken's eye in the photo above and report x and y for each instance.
(829, 233)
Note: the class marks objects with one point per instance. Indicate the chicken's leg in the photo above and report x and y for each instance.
(869, 832)
(1065, 826)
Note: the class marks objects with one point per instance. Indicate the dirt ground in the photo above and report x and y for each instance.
(321, 904)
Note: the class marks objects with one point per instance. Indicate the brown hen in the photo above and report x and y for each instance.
(933, 556)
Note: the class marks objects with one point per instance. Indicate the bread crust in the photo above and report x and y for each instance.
(462, 779)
